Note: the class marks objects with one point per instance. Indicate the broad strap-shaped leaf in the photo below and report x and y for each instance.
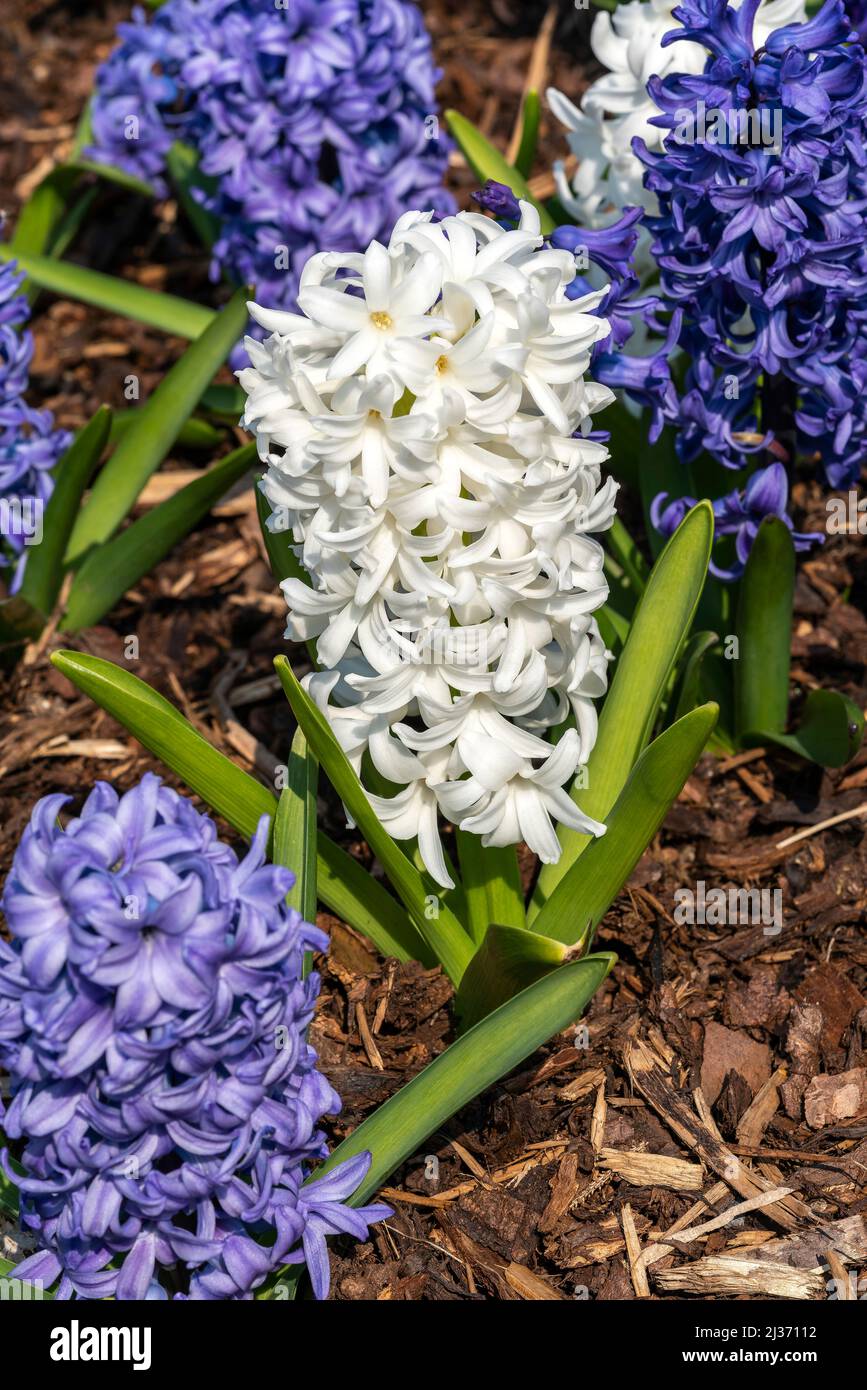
(157, 724)
(486, 163)
(688, 686)
(508, 960)
(111, 569)
(43, 574)
(585, 893)
(529, 134)
(764, 630)
(832, 726)
(143, 448)
(443, 931)
(239, 798)
(491, 882)
(43, 212)
(112, 173)
(476, 1061)
(348, 890)
(180, 317)
(830, 733)
(295, 827)
(182, 162)
(194, 433)
(659, 628)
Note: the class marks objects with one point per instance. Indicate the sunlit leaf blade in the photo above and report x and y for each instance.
(764, 630)
(111, 569)
(439, 927)
(586, 892)
(832, 726)
(476, 1061)
(144, 446)
(508, 960)
(505, 891)
(295, 827)
(180, 317)
(659, 627)
(70, 224)
(486, 163)
(492, 885)
(343, 885)
(529, 134)
(43, 574)
(162, 729)
(830, 733)
(113, 174)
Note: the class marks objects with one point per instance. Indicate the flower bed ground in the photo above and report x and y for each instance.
(530, 1195)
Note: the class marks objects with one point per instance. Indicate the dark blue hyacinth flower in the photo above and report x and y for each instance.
(30, 445)
(164, 1098)
(753, 342)
(739, 514)
(314, 120)
(761, 244)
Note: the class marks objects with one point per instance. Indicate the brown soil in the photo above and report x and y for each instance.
(526, 1194)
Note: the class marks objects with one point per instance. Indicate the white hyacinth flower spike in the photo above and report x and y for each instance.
(424, 421)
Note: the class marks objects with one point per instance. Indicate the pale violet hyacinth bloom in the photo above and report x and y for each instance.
(424, 424)
(617, 107)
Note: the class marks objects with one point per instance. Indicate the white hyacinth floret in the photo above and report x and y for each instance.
(617, 106)
(424, 424)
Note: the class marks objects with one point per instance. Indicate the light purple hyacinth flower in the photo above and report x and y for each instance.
(153, 1020)
(315, 123)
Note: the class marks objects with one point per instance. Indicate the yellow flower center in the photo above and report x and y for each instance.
(442, 364)
(381, 320)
